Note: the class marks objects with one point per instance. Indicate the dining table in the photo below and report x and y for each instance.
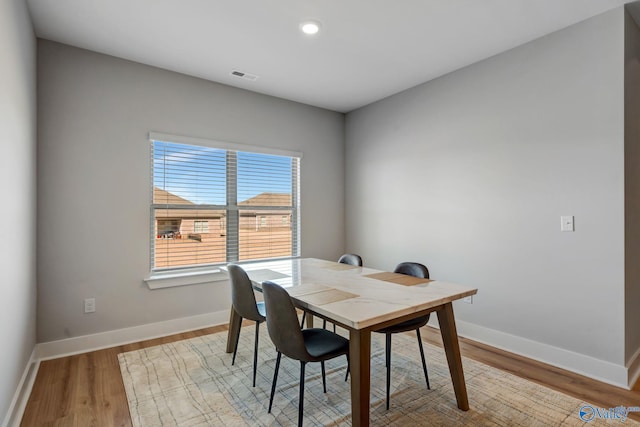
(363, 300)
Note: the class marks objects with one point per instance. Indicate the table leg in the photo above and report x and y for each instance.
(360, 361)
(235, 321)
(452, 350)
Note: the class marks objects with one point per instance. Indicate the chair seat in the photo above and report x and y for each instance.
(409, 325)
(323, 344)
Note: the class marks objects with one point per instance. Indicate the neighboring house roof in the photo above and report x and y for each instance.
(189, 214)
(264, 199)
(268, 199)
(163, 196)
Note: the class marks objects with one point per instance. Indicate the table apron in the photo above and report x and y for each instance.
(376, 326)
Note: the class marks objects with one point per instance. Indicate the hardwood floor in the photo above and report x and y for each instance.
(87, 389)
(583, 388)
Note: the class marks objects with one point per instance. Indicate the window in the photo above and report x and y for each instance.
(215, 203)
(201, 226)
(168, 228)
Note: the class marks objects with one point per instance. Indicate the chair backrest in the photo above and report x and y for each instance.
(282, 322)
(414, 269)
(242, 296)
(351, 259)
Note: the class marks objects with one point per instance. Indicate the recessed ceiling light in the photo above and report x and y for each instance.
(310, 27)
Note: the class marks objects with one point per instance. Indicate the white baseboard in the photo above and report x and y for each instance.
(21, 396)
(588, 366)
(85, 343)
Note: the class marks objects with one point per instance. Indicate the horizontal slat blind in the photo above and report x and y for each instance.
(265, 205)
(213, 206)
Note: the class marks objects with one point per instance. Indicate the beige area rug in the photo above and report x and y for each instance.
(192, 383)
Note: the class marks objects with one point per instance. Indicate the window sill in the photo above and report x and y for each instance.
(184, 278)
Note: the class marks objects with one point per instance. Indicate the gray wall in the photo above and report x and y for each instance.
(632, 185)
(18, 189)
(93, 207)
(471, 172)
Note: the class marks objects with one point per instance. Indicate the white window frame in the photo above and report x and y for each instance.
(182, 276)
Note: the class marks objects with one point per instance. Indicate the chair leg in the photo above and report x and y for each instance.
(235, 349)
(388, 360)
(304, 315)
(324, 378)
(255, 353)
(301, 404)
(275, 380)
(324, 325)
(424, 363)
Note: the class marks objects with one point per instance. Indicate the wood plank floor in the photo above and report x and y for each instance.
(87, 389)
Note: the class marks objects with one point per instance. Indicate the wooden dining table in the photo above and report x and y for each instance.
(363, 300)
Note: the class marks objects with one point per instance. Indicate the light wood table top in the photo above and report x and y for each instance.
(356, 297)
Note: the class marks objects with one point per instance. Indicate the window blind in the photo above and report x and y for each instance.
(217, 205)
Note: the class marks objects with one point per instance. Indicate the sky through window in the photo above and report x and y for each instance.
(198, 174)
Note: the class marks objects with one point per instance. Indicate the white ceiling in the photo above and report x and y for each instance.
(366, 50)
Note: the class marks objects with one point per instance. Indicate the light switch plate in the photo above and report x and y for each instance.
(566, 223)
(90, 305)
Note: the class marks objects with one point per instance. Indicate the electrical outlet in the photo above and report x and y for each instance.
(468, 300)
(89, 305)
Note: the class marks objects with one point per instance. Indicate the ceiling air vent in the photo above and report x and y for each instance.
(245, 76)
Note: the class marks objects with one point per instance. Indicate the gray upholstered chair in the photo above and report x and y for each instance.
(244, 303)
(417, 270)
(306, 345)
